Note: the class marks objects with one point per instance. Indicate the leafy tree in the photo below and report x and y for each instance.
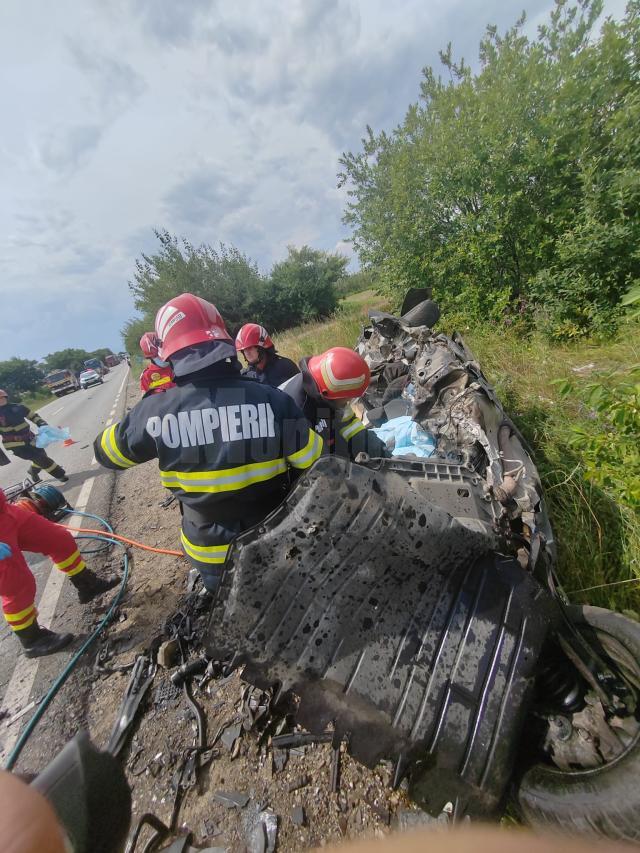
(19, 375)
(301, 288)
(516, 187)
(225, 277)
(67, 359)
(131, 333)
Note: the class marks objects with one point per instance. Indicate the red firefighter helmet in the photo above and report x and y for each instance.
(187, 320)
(149, 344)
(253, 335)
(340, 373)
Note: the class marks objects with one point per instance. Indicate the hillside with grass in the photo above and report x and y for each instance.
(589, 465)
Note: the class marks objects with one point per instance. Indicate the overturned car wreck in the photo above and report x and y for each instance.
(411, 605)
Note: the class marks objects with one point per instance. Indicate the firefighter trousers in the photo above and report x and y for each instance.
(39, 461)
(23, 530)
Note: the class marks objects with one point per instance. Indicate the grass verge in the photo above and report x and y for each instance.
(37, 399)
(598, 534)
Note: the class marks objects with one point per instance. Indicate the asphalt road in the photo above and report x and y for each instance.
(89, 488)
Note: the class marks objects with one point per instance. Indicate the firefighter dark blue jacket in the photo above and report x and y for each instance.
(226, 446)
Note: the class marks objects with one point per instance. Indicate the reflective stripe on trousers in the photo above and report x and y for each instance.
(208, 560)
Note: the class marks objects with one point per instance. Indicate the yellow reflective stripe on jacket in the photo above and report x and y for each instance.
(16, 428)
(111, 449)
(307, 456)
(10, 444)
(224, 480)
(204, 553)
(159, 382)
(352, 428)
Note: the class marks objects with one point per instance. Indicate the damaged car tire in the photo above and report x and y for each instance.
(602, 800)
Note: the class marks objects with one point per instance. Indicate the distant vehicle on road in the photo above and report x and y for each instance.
(61, 382)
(111, 360)
(97, 365)
(90, 377)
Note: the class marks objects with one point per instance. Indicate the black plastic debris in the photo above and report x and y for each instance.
(209, 828)
(167, 695)
(280, 757)
(298, 816)
(389, 616)
(141, 679)
(232, 799)
(231, 734)
(261, 830)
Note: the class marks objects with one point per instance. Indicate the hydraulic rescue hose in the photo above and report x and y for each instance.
(122, 539)
(110, 538)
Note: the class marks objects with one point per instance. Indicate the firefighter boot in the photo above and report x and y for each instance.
(90, 585)
(34, 474)
(37, 641)
(59, 473)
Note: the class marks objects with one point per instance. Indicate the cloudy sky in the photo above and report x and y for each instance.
(219, 121)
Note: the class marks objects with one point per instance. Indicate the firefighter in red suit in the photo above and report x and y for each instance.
(158, 376)
(23, 529)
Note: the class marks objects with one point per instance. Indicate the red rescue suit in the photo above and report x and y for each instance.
(25, 530)
(154, 379)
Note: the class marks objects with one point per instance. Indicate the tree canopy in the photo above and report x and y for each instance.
(73, 359)
(18, 376)
(299, 288)
(515, 189)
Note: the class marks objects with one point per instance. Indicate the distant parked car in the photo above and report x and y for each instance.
(88, 378)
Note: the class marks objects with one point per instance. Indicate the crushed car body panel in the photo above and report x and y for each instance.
(374, 593)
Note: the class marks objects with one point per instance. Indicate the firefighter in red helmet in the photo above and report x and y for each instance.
(323, 388)
(227, 446)
(158, 376)
(263, 362)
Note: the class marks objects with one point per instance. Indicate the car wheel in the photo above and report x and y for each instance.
(602, 798)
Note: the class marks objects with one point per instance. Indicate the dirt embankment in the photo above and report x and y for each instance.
(245, 788)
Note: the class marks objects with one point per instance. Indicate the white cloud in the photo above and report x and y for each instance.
(218, 121)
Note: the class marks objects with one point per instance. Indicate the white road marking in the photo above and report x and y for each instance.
(25, 671)
(56, 411)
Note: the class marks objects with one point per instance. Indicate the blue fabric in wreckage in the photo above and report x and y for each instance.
(406, 437)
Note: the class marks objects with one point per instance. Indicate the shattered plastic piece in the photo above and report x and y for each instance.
(270, 823)
(167, 694)
(298, 817)
(168, 654)
(231, 734)
(142, 676)
(232, 799)
(261, 829)
(408, 819)
(210, 829)
(280, 757)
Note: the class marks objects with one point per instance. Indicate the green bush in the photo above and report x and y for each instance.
(514, 191)
(300, 288)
